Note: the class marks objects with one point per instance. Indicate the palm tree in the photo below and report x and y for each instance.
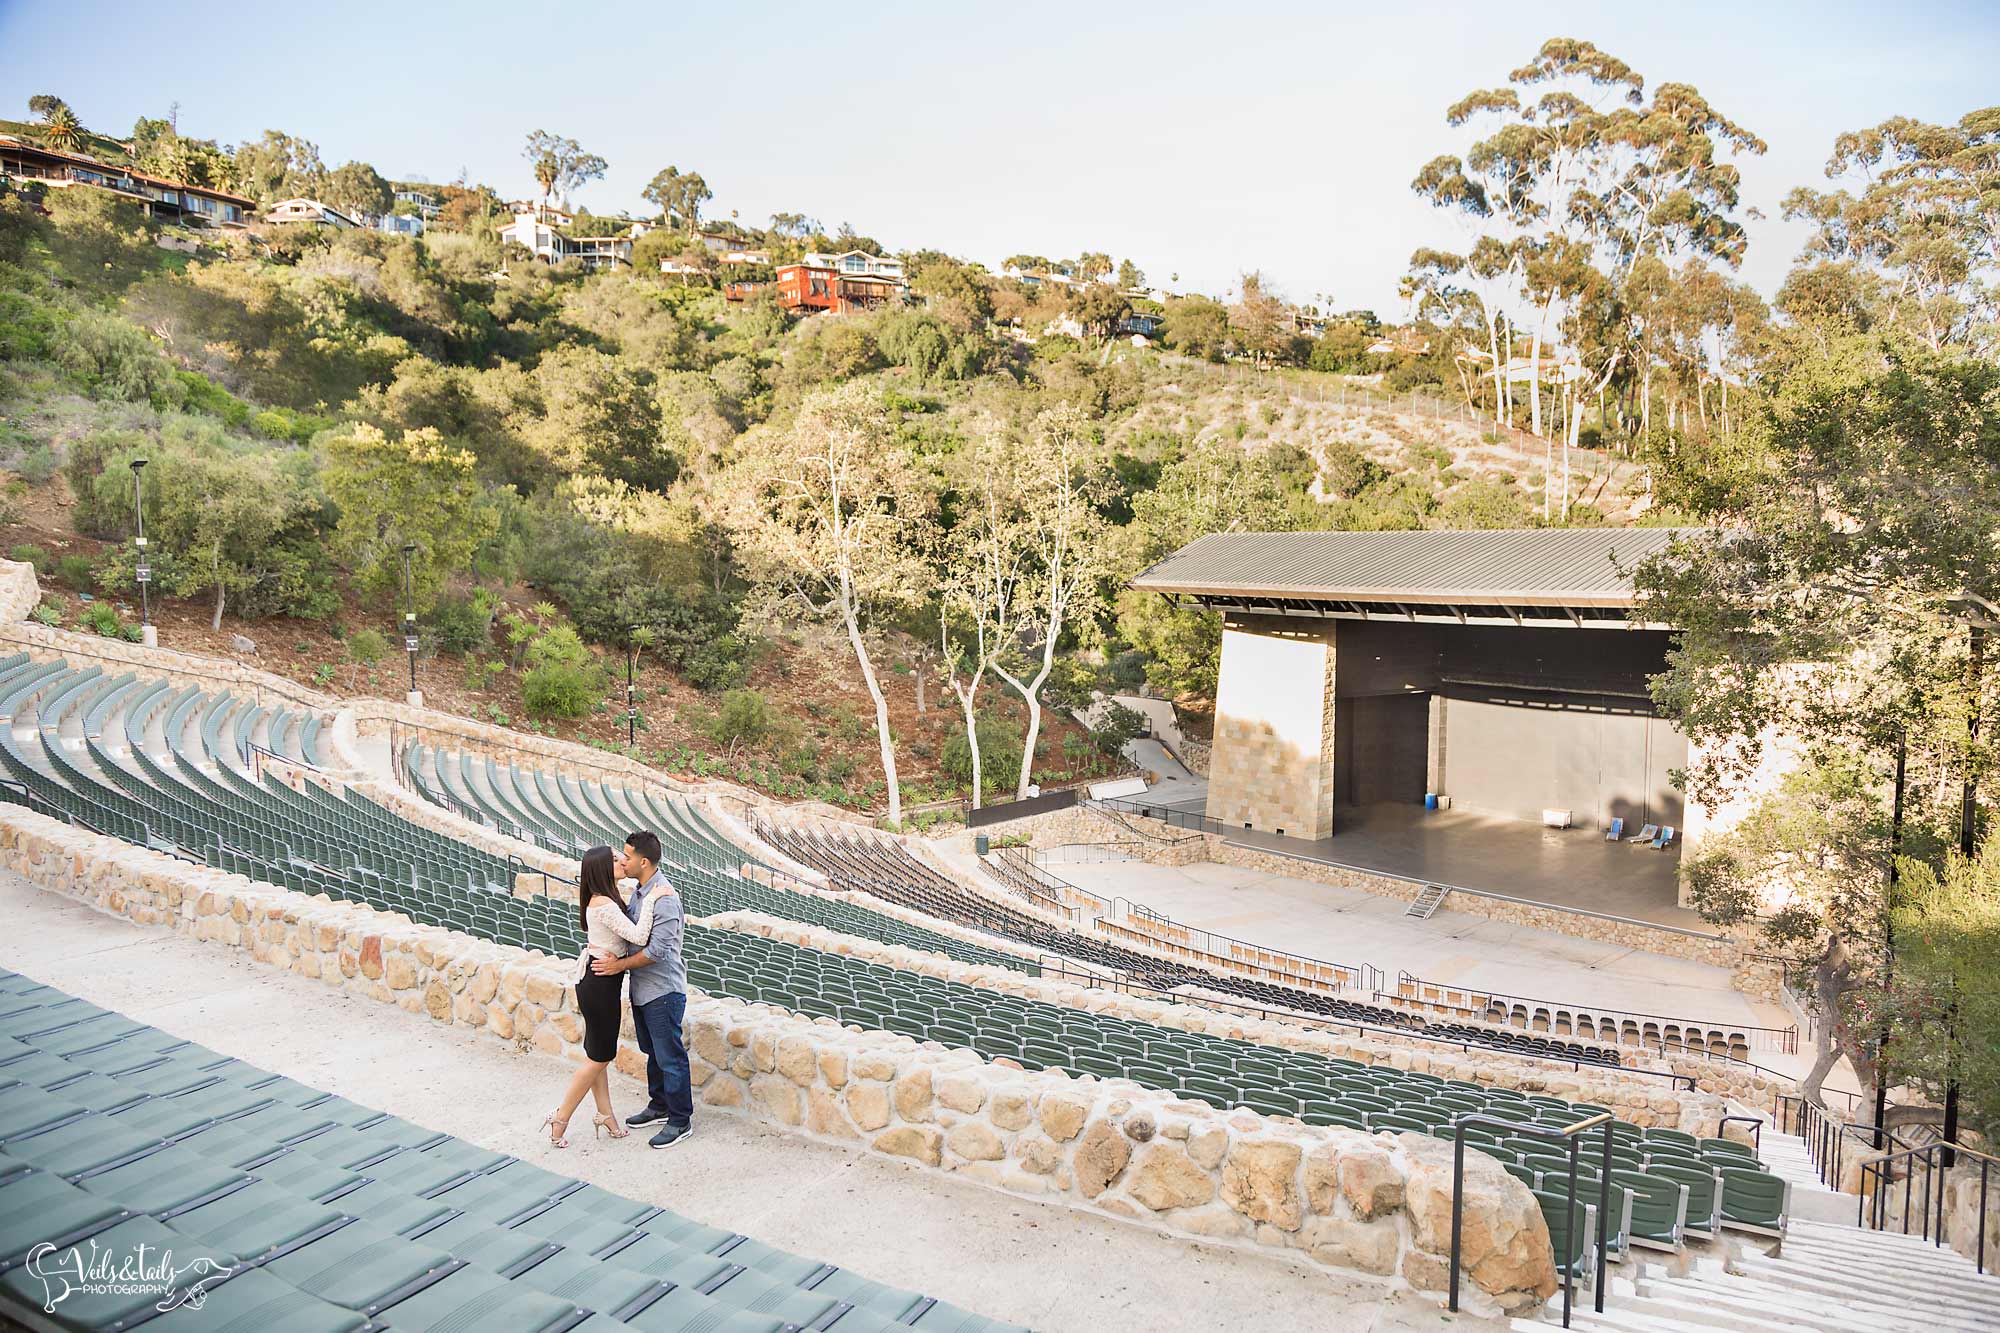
(62, 129)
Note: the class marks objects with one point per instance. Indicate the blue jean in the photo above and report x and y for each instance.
(657, 1025)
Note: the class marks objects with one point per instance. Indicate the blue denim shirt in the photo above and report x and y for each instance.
(667, 973)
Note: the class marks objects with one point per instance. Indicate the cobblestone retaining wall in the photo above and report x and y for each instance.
(1377, 1203)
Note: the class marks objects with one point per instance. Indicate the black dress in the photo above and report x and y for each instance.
(600, 1001)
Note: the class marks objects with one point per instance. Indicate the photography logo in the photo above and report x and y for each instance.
(141, 1270)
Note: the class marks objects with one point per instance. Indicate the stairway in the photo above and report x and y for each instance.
(1831, 1278)
(1828, 1274)
(1428, 901)
(1784, 1156)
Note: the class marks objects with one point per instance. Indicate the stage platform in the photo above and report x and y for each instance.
(1569, 868)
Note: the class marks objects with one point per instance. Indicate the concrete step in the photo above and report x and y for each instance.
(1894, 1297)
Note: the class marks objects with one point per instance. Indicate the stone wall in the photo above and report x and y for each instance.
(20, 594)
(1961, 1209)
(1377, 1203)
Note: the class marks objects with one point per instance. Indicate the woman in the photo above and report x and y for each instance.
(608, 933)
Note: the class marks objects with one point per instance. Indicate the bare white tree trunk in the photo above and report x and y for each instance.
(1535, 373)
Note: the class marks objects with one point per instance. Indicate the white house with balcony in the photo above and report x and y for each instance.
(859, 264)
(551, 243)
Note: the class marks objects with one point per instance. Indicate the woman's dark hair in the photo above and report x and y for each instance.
(596, 881)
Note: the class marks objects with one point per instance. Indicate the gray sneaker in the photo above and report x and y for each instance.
(670, 1135)
(646, 1115)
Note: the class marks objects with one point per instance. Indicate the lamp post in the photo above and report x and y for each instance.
(410, 622)
(142, 573)
(631, 696)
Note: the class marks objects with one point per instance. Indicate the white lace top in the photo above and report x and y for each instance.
(612, 933)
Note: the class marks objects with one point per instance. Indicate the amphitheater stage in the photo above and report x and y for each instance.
(1574, 869)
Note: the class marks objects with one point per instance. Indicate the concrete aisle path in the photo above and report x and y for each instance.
(1044, 1265)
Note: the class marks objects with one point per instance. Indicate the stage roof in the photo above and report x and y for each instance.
(1548, 575)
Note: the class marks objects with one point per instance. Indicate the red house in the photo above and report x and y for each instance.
(841, 283)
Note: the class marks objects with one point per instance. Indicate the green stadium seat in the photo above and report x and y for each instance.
(1754, 1201)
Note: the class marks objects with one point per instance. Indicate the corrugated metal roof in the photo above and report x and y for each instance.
(1582, 567)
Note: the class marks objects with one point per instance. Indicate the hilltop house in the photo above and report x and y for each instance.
(841, 283)
(423, 201)
(311, 211)
(401, 224)
(535, 230)
(169, 199)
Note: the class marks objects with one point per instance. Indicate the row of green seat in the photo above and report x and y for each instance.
(563, 815)
(319, 1215)
(703, 866)
(1222, 1071)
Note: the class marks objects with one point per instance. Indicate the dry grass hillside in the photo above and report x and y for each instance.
(1401, 433)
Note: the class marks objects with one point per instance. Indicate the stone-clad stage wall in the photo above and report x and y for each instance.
(1272, 765)
(1374, 1203)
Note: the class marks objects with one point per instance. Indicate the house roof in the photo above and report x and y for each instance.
(1559, 567)
(308, 206)
(18, 143)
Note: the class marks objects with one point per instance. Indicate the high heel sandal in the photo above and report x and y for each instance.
(610, 1125)
(558, 1138)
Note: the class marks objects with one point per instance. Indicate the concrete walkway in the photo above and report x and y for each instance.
(1040, 1264)
(1355, 926)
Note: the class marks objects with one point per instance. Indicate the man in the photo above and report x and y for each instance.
(658, 994)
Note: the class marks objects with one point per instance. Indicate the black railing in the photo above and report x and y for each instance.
(1051, 966)
(1784, 1040)
(1166, 815)
(1873, 1210)
(1569, 1136)
(1756, 1123)
(250, 749)
(1828, 1138)
(1294, 966)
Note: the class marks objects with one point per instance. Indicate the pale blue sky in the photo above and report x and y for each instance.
(1198, 140)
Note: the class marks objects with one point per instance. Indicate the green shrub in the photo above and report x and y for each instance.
(745, 716)
(74, 572)
(323, 675)
(999, 753)
(367, 647)
(719, 663)
(560, 690)
(37, 465)
(102, 619)
(1121, 725)
(50, 613)
(31, 555)
(204, 395)
(463, 625)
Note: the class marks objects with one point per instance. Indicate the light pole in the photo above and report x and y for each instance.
(410, 622)
(142, 573)
(631, 697)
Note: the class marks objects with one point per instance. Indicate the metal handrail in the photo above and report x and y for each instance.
(1567, 1135)
(250, 748)
(1788, 1045)
(1756, 1123)
(1366, 975)
(1129, 987)
(1826, 1138)
(1870, 1211)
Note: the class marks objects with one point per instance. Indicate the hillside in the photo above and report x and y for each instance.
(575, 459)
